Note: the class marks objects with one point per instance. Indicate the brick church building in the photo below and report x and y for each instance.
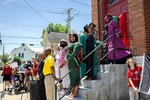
(137, 20)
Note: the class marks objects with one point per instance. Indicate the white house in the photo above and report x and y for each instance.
(26, 53)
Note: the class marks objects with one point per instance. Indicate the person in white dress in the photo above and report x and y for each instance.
(57, 68)
(63, 67)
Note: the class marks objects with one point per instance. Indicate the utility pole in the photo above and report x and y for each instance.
(0, 40)
(3, 52)
(68, 20)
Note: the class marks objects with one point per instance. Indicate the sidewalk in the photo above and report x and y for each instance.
(6, 96)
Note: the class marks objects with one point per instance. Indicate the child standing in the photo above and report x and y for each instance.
(134, 76)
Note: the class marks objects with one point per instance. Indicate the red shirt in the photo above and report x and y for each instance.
(7, 70)
(135, 75)
(35, 68)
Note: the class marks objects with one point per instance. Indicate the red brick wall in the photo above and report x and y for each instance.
(137, 26)
(147, 23)
(95, 18)
(98, 16)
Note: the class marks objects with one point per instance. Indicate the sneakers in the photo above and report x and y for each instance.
(6, 89)
(63, 91)
(10, 92)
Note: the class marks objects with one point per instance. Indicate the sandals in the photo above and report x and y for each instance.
(70, 98)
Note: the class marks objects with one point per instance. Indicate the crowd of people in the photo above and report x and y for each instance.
(14, 75)
(72, 56)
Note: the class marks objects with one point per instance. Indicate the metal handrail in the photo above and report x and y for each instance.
(85, 74)
(88, 70)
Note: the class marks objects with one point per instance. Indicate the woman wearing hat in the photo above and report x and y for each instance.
(89, 42)
(115, 42)
(63, 67)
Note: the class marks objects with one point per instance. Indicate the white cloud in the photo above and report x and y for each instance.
(8, 1)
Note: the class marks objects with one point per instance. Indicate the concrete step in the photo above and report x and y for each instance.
(86, 83)
(67, 98)
(102, 75)
(90, 84)
(104, 67)
(82, 92)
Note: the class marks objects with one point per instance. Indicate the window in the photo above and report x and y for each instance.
(24, 49)
(110, 2)
(22, 55)
(36, 55)
(14, 55)
(19, 55)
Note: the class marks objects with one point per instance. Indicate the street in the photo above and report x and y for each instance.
(6, 96)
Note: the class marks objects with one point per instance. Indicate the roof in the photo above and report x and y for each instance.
(36, 49)
(56, 37)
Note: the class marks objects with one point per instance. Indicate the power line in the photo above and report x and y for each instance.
(27, 37)
(36, 6)
(80, 3)
(36, 11)
(26, 26)
(82, 11)
(53, 12)
(48, 11)
(21, 37)
(24, 43)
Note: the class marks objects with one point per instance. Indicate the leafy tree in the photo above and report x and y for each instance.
(43, 35)
(56, 28)
(5, 58)
(17, 59)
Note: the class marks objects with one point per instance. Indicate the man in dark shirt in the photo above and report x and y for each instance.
(41, 86)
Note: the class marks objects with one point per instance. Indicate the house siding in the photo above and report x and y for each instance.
(28, 53)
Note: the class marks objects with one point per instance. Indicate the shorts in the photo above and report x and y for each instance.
(7, 77)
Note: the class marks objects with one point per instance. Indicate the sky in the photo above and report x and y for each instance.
(18, 20)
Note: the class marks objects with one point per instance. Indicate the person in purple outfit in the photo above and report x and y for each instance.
(121, 52)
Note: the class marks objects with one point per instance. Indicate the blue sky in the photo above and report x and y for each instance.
(19, 19)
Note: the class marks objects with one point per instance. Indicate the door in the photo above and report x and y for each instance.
(116, 8)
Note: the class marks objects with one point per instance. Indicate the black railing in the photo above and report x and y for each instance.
(91, 67)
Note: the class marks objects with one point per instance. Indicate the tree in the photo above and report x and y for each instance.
(17, 59)
(4, 58)
(56, 28)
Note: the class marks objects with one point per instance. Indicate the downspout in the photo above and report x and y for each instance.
(99, 24)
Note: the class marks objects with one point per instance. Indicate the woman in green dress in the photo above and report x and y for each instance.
(72, 54)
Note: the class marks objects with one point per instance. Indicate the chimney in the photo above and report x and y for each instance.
(23, 44)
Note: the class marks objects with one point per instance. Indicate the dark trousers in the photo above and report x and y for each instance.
(41, 90)
(89, 65)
